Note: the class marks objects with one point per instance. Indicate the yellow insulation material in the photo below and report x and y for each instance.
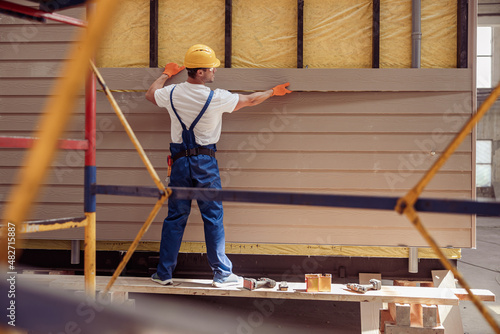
(264, 33)
(439, 33)
(126, 43)
(182, 23)
(395, 33)
(338, 33)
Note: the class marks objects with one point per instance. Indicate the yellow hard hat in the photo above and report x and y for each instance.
(200, 56)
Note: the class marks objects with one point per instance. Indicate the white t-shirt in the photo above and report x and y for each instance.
(188, 100)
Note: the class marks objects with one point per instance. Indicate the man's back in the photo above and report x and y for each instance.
(188, 100)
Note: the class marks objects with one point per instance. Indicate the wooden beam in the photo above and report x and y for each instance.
(376, 35)
(300, 33)
(204, 287)
(53, 225)
(462, 33)
(482, 294)
(228, 34)
(153, 33)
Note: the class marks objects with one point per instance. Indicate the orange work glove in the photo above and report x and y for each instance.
(172, 69)
(281, 90)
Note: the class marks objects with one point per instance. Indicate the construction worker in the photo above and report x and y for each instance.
(196, 119)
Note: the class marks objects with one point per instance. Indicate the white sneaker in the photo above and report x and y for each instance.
(157, 279)
(230, 280)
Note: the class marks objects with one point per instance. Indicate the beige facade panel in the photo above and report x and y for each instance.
(33, 69)
(264, 126)
(47, 33)
(313, 79)
(246, 231)
(252, 160)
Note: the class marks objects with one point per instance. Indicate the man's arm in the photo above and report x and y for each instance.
(259, 97)
(171, 69)
(158, 84)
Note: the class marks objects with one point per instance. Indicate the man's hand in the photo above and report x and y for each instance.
(172, 69)
(281, 90)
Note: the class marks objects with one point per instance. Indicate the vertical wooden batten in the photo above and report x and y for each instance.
(462, 33)
(228, 32)
(153, 33)
(300, 33)
(376, 35)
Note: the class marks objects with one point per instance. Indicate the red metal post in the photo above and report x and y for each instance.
(36, 13)
(90, 119)
(90, 178)
(27, 142)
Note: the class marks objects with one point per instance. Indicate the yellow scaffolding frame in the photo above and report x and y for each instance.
(56, 115)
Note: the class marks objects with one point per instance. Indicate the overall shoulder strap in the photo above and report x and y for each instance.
(173, 108)
(202, 110)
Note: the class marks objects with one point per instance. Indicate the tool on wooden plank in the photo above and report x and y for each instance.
(375, 284)
(170, 161)
(252, 284)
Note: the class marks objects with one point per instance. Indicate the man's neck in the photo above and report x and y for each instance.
(195, 81)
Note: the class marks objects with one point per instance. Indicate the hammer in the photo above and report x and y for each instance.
(375, 284)
(252, 284)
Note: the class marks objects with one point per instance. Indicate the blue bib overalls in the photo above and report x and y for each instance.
(201, 171)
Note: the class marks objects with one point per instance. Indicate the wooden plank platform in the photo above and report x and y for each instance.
(203, 287)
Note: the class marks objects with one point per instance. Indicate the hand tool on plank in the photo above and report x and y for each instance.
(375, 284)
(252, 283)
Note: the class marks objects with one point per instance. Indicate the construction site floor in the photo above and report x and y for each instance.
(481, 269)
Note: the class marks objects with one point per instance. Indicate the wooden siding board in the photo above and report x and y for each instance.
(286, 142)
(283, 142)
(268, 234)
(305, 161)
(268, 179)
(446, 103)
(234, 162)
(243, 215)
(452, 80)
(263, 125)
(19, 69)
(34, 51)
(257, 216)
(58, 195)
(22, 86)
(18, 33)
